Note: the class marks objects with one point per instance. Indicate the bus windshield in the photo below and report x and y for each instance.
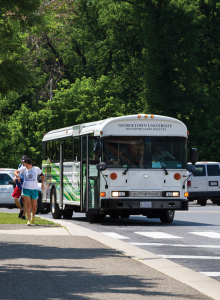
(152, 152)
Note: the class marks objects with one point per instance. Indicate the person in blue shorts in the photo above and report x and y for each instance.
(30, 187)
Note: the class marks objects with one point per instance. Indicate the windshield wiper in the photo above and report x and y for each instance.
(125, 171)
(165, 170)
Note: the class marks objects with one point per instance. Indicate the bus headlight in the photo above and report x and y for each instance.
(118, 194)
(172, 194)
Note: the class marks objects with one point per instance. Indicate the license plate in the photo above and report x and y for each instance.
(146, 204)
(145, 194)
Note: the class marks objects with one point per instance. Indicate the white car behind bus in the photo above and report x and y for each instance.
(6, 190)
(204, 183)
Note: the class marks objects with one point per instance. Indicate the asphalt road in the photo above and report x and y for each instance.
(56, 265)
(79, 268)
(192, 240)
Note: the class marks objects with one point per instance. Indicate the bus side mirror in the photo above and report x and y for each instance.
(102, 166)
(190, 168)
(98, 148)
(193, 156)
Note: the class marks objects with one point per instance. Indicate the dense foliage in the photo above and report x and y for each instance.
(64, 62)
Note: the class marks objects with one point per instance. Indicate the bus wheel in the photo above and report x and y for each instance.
(45, 210)
(114, 215)
(55, 210)
(202, 202)
(125, 215)
(68, 213)
(94, 218)
(167, 216)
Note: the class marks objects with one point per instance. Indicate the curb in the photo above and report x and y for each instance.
(199, 282)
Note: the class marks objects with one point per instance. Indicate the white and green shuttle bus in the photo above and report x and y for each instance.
(121, 166)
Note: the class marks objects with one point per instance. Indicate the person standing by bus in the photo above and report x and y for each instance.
(16, 195)
(22, 179)
(30, 187)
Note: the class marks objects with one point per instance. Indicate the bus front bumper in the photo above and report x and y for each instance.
(143, 204)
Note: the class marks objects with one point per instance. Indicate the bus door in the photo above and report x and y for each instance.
(90, 182)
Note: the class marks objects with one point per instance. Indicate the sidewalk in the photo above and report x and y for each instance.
(40, 262)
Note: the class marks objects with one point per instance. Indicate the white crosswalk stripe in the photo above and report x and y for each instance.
(189, 256)
(115, 235)
(176, 245)
(163, 235)
(211, 274)
(213, 235)
(158, 235)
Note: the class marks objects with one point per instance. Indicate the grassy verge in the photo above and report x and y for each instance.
(12, 218)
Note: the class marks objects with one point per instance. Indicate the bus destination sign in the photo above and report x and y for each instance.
(148, 126)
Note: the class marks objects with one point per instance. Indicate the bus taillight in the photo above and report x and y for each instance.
(188, 183)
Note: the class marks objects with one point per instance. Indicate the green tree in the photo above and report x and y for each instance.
(16, 17)
(109, 58)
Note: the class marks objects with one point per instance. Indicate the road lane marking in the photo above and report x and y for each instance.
(189, 256)
(176, 245)
(213, 235)
(159, 235)
(115, 235)
(201, 211)
(211, 274)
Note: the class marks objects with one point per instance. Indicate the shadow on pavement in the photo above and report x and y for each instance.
(79, 268)
(138, 221)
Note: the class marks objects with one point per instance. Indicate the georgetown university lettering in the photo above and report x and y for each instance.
(145, 126)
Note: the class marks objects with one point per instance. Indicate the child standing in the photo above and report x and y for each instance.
(17, 194)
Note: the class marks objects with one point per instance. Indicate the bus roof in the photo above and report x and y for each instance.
(132, 125)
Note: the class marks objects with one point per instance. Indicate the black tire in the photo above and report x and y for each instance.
(203, 202)
(167, 216)
(45, 210)
(67, 214)
(39, 204)
(125, 215)
(94, 218)
(218, 202)
(114, 215)
(55, 210)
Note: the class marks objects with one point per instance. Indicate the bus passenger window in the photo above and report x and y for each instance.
(76, 150)
(56, 151)
(49, 150)
(91, 150)
(44, 150)
(68, 150)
